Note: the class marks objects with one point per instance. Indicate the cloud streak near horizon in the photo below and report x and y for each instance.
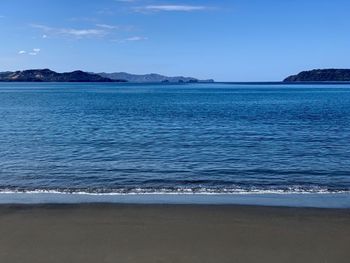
(96, 31)
(172, 8)
(71, 32)
(102, 31)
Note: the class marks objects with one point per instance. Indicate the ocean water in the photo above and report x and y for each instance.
(193, 138)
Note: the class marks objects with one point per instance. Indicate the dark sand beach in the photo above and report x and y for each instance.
(172, 233)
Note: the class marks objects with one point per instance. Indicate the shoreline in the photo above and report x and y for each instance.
(307, 200)
(172, 233)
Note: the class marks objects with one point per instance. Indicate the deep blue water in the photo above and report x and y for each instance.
(175, 138)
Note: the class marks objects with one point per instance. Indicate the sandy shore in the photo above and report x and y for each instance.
(159, 233)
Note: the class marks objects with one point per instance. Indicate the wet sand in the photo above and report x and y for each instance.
(172, 233)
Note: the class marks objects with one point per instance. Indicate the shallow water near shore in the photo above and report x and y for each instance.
(212, 142)
(339, 201)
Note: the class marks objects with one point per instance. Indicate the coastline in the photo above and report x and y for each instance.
(172, 233)
(301, 200)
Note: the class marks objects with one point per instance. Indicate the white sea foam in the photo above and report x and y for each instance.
(180, 191)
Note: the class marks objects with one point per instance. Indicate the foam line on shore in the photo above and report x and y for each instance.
(334, 200)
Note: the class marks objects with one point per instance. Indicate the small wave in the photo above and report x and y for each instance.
(178, 191)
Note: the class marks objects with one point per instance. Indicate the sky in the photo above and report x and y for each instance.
(228, 40)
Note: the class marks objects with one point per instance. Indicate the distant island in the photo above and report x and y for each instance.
(321, 75)
(151, 78)
(47, 75)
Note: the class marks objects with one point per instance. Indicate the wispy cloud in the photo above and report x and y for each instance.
(70, 32)
(130, 39)
(172, 8)
(82, 32)
(33, 52)
(135, 38)
(97, 31)
(106, 26)
(115, 27)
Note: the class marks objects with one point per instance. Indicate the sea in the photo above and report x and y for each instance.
(222, 143)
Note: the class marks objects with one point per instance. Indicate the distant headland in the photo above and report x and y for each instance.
(321, 75)
(47, 75)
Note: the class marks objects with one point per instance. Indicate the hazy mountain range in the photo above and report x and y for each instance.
(149, 78)
(47, 75)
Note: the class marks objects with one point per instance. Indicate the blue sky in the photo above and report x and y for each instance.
(236, 40)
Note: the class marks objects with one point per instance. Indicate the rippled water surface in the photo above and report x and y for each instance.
(174, 138)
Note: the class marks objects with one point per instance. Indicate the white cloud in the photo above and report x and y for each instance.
(130, 39)
(107, 26)
(71, 32)
(181, 8)
(136, 38)
(110, 28)
(82, 32)
(44, 36)
(34, 52)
